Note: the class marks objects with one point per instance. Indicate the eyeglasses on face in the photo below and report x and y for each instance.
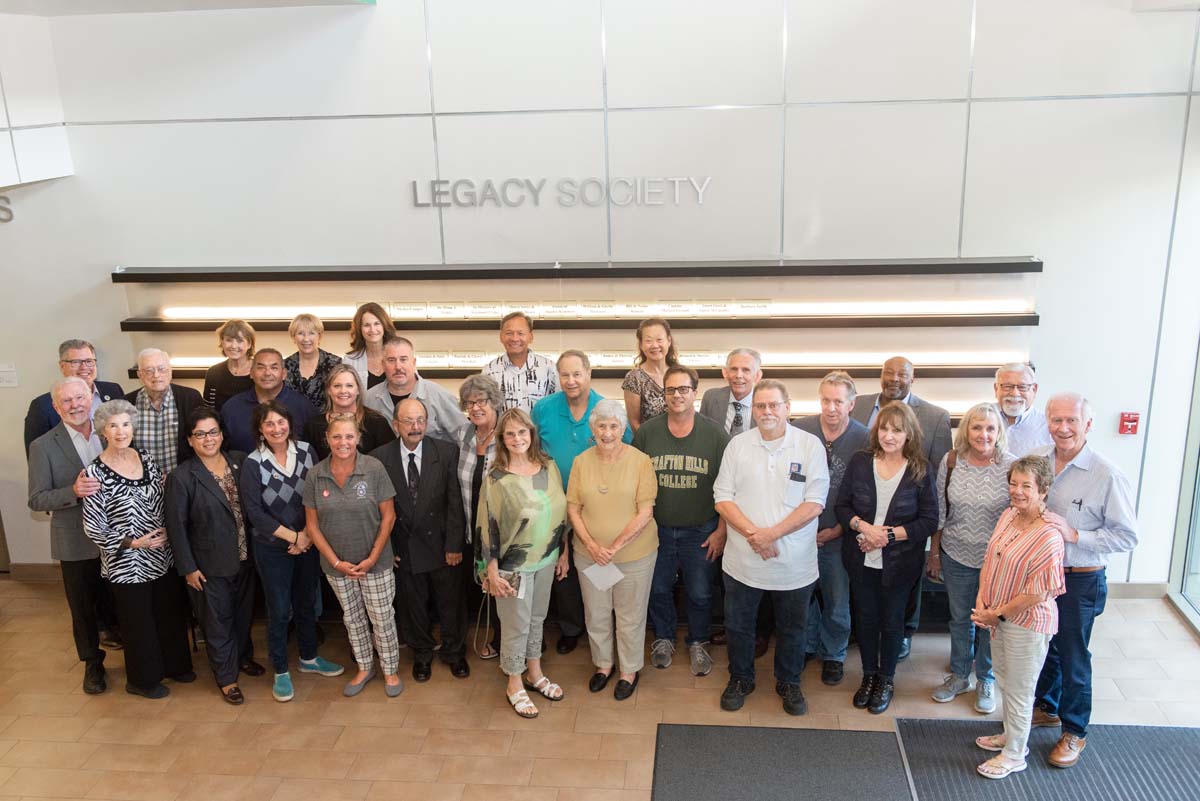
(684, 390)
(77, 363)
(161, 369)
(1017, 387)
(213, 433)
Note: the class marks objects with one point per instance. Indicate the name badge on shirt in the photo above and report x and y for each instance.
(794, 473)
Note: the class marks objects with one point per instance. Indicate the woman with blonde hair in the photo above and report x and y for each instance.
(307, 370)
(344, 396)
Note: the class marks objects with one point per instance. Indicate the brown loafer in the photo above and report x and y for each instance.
(1044, 720)
(1067, 750)
(234, 695)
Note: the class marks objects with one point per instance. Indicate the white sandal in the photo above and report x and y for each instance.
(995, 769)
(544, 686)
(994, 742)
(522, 705)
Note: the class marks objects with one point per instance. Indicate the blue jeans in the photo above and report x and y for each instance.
(1065, 685)
(967, 643)
(290, 586)
(829, 627)
(741, 615)
(680, 549)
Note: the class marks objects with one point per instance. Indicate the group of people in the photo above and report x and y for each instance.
(530, 487)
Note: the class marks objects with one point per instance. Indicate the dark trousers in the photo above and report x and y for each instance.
(791, 618)
(90, 600)
(566, 603)
(681, 549)
(912, 609)
(225, 609)
(444, 587)
(154, 625)
(1065, 684)
(290, 588)
(879, 620)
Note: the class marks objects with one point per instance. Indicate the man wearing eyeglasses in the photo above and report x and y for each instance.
(76, 357)
(770, 491)
(1016, 390)
(163, 410)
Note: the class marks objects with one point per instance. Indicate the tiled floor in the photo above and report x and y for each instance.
(452, 739)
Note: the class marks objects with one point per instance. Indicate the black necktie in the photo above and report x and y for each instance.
(414, 477)
(738, 422)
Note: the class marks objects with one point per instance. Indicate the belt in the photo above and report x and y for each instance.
(1092, 569)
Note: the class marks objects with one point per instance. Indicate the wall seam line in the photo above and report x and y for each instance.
(962, 195)
(437, 156)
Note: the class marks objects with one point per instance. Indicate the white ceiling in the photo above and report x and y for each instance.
(55, 8)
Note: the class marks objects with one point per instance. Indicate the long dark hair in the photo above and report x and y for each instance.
(357, 343)
(518, 416)
(898, 415)
(672, 355)
(259, 416)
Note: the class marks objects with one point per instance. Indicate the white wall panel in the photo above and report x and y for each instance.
(694, 52)
(42, 153)
(538, 147)
(302, 192)
(1026, 48)
(244, 63)
(28, 71)
(532, 54)
(873, 181)
(738, 148)
(877, 49)
(1088, 185)
(8, 162)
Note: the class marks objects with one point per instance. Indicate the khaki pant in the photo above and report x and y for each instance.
(1017, 657)
(627, 600)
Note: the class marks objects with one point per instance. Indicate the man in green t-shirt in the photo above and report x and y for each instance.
(685, 450)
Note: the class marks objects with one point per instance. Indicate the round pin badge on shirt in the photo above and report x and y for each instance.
(324, 493)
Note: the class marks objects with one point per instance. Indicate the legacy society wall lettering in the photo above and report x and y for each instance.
(513, 192)
(6, 212)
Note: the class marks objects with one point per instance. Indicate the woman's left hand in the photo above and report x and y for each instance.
(562, 566)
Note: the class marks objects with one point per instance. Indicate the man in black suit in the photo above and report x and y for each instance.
(58, 485)
(76, 357)
(163, 411)
(427, 539)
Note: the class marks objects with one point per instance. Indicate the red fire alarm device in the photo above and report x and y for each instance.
(1129, 423)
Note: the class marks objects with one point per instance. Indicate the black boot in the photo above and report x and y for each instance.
(863, 696)
(881, 696)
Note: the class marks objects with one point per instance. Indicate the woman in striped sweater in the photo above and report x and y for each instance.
(1022, 575)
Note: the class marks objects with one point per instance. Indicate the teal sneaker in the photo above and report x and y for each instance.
(322, 666)
(282, 689)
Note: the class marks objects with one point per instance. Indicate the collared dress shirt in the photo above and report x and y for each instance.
(522, 387)
(157, 430)
(1097, 501)
(1029, 433)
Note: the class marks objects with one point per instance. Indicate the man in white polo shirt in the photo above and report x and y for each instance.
(770, 491)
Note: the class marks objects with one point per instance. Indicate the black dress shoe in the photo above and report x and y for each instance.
(234, 696)
(422, 671)
(112, 639)
(187, 677)
(832, 673)
(881, 696)
(905, 649)
(718, 636)
(252, 668)
(460, 669)
(156, 692)
(93, 679)
(567, 643)
(862, 696)
(599, 681)
(625, 688)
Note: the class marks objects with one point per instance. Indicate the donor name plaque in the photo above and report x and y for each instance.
(566, 192)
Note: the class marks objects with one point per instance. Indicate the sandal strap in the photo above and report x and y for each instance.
(520, 702)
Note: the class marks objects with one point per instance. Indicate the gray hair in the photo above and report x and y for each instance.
(1074, 398)
(609, 409)
(840, 378)
(62, 382)
(147, 352)
(962, 445)
(1025, 368)
(480, 384)
(110, 409)
(578, 354)
(74, 344)
(751, 352)
(775, 384)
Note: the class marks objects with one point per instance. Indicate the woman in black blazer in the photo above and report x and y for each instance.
(887, 500)
(212, 550)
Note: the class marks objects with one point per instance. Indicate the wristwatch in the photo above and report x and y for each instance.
(891, 532)
(854, 523)
(1002, 618)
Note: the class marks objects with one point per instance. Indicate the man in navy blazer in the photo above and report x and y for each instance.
(428, 539)
(76, 357)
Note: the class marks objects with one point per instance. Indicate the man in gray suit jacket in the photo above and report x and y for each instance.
(896, 380)
(729, 406)
(58, 485)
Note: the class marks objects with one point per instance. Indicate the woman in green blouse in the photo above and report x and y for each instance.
(519, 529)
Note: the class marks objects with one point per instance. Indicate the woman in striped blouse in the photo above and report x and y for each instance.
(1022, 575)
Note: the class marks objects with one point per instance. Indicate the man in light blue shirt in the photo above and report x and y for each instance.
(1016, 390)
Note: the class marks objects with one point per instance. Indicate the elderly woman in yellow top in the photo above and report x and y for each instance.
(610, 503)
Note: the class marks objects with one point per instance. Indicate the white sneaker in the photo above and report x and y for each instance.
(985, 697)
(701, 662)
(660, 653)
(951, 688)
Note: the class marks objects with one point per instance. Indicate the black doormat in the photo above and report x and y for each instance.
(1120, 763)
(732, 763)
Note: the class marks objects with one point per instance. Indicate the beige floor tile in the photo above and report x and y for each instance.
(396, 767)
(1106, 690)
(1141, 609)
(5, 747)
(485, 770)
(321, 790)
(200, 710)
(352, 713)
(144, 759)
(381, 740)
(35, 754)
(782, 720)
(445, 716)
(121, 704)
(1135, 712)
(578, 773)
(446, 691)
(307, 764)
(295, 713)
(1178, 714)
(1161, 690)
(203, 787)
(130, 786)
(554, 719)
(678, 675)
(219, 761)
(120, 730)
(617, 721)
(1176, 629)
(594, 794)
(1106, 647)
(565, 745)
(6, 773)
(53, 729)
(37, 681)
(499, 792)
(1109, 668)
(50, 782)
(412, 791)
(44, 704)
(216, 735)
(285, 736)
(1187, 667)
(639, 775)
(673, 697)
(456, 742)
(866, 722)
(709, 714)
(629, 747)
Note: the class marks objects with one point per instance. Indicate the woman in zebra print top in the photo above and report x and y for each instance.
(125, 520)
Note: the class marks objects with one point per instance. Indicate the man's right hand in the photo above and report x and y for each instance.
(828, 535)
(85, 486)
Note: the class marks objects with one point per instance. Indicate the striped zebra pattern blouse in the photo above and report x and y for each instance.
(1024, 563)
(126, 508)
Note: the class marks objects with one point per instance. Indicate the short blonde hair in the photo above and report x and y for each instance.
(962, 445)
(306, 320)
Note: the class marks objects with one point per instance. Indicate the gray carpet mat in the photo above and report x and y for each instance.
(730, 763)
(1120, 763)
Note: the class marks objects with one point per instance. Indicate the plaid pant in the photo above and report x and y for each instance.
(370, 597)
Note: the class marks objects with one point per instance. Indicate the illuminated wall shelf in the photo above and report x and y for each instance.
(576, 270)
(159, 324)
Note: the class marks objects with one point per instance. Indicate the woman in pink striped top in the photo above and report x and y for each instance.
(1022, 574)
